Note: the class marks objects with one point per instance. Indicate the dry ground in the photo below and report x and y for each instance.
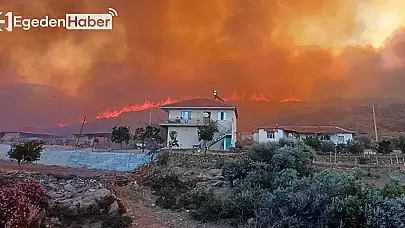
(138, 201)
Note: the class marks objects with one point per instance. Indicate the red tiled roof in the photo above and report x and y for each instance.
(199, 102)
(313, 129)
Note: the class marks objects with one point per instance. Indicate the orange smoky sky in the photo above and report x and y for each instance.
(312, 49)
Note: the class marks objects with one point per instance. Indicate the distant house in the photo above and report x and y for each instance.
(186, 116)
(26, 133)
(335, 134)
(101, 139)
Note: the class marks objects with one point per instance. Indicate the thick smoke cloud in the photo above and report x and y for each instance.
(312, 49)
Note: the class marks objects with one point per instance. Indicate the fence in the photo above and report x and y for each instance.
(381, 160)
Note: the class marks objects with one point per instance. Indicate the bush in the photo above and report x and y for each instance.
(327, 146)
(326, 200)
(292, 158)
(386, 213)
(33, 190)
(314, 142)
(384, 147)
(400, 143)
(26, 152)
(366, 141)
(19, 204)
(169, 186)
(203, 204)
(237, 168)
(264, 152)
(355, 147)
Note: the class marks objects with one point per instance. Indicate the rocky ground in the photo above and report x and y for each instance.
(79, 188)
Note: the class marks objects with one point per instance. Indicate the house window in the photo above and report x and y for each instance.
(270, 134)
(221, 115)
(186, 115)
(341, 138)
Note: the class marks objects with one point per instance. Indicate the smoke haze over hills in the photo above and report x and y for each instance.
(310, 50)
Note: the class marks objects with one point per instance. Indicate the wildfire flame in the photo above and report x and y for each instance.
(62, 125)
(106, 114)
(133, 108)
(290, 99)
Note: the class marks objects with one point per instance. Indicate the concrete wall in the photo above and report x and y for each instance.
(187, 136)
(118, 161)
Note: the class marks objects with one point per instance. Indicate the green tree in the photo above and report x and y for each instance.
(121, 134)
(327, 146)
(314, 142)
(400, 143)
(207, 132)
(26, 152)
(174, 142)
(384, 147)
(148, 133)
(366, 140)
(355, 147)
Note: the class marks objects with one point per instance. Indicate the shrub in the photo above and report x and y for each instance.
(326, 200)
(203, 203)
(314, 142)
(16, 206)
(26, 152)
(384, 147)
(237, 168)
(386, 213)
(169, 186)
(400, 143)
(327, 146)
(292, 158)
(33, 190)
(163, 158)
(394, 187)
(355, 147)
(341, 148)
(366, 141)
(264, 151)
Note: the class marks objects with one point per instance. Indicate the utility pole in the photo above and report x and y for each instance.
(375, 125)
(150, 117)
(80, 134)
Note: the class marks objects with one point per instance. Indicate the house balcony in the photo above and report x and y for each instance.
(183, 122)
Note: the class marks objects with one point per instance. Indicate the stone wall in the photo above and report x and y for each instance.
(199, 160)
(381, 160)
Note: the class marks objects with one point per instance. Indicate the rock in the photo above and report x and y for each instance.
(114, 208)
(70, 188)
(215, 172)
(250, 222)
(219, 177)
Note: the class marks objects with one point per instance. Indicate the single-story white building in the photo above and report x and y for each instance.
(335, 134)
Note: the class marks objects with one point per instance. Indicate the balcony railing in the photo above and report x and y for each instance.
(184, 121)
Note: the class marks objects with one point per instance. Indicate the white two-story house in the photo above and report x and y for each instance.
(184, 117)
(335, 134)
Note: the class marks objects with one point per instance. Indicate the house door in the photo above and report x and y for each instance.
(207, 117)
(228, 142)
